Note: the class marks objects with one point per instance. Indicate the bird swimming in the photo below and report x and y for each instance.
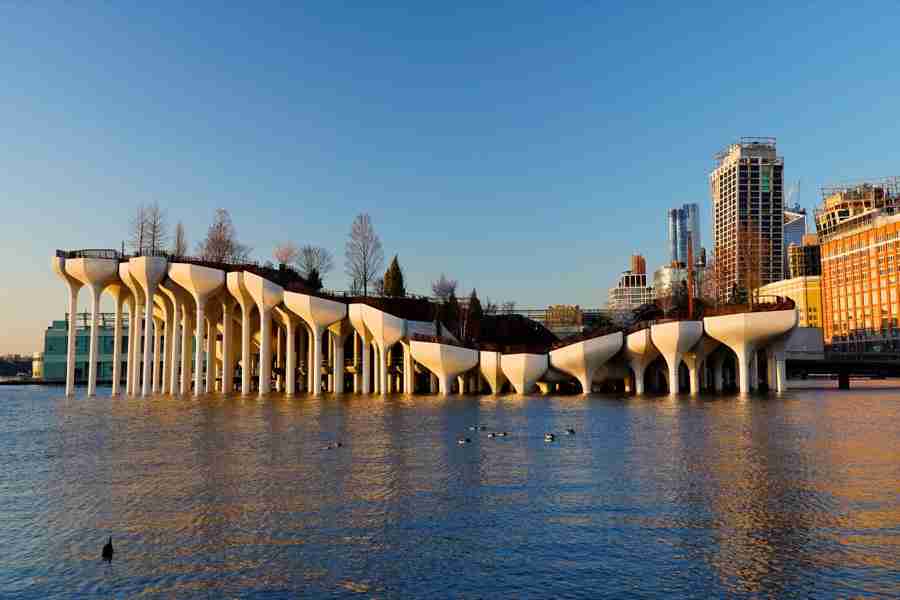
(462, 441)
(549, 437)
(107, 553)
(570, 432)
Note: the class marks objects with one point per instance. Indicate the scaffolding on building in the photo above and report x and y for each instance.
(848, 205)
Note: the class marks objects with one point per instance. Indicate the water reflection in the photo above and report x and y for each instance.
(777, 497)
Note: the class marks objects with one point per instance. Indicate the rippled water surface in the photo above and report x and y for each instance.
(228, 497)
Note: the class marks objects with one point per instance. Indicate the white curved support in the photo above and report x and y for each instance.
(318, 313)
(96, 274)
(147, 271)
(523, 370)
(266, 295)
(133, 373)
(489, 365)
(239, 291)
(180, 300)
(120, 293)
(695, 359)
(745, 333)
(339, 332)
(673, 340)
(582, 359)
(228, 350)
(201, 283)
(355, 314)
(386, 330)
(639, 352)
(74, 286)
(444, 360)
(290, 321)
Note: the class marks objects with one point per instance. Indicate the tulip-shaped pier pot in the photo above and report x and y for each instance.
(355, 313)
(444, 360)
(582, 359)
(74, 286)
(96, 274)
(266, 295)
(673, 340)
(489, 365)
(386, 330)
(201, 283)
(318, 313)
(745, 333)
(523, 370)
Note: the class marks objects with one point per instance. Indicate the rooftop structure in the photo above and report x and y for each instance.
(847, 206)
(632, 290)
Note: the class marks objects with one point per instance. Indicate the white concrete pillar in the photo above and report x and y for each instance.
(227, 345)
(186, 341)
(149, 332)
(357, 378)
(744, 366)
(95, 329)
(279, 358)
(781, 374)
(329, 348)
(316, 359)
(303, 355)
(291, 362)
(366, 374)
(117, 345)
(265, 351)
(408, 370)
(199, 353)
(433, 384)
(461, 384)
(338, 374)
(695, 379)
(382, 375)
(129, 347)
(174, 382)
(210, 379)
(166, 357)
(71, 339)
(138, 345)
(157, 358)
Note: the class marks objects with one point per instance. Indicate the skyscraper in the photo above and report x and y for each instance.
(794, 230)
(683, 224)
(748, 215)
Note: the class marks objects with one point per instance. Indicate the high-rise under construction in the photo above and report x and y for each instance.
(748, 216)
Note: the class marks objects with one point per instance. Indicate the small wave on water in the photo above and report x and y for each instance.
(232, 497)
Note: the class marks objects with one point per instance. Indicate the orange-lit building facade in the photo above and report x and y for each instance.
(859, 231)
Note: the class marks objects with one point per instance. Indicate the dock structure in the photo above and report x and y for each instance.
(196, 327)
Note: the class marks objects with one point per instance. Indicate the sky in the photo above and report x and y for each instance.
(524, 149)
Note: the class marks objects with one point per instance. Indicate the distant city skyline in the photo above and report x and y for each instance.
(526, 152)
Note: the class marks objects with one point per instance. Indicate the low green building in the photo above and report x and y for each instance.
(55, 346)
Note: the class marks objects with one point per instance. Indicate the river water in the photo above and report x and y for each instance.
(793, 496)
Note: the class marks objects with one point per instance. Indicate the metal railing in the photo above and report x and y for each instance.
(106, 253)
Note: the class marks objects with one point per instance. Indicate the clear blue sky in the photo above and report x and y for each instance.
(526, 149)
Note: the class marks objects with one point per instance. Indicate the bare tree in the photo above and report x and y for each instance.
(363, 253)
(157, 228)
(490, 307)
(508, 307)
(286, 253)
(316, 258)
(221, 244)
(443, 288)
(137, 239)
(180, 243)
